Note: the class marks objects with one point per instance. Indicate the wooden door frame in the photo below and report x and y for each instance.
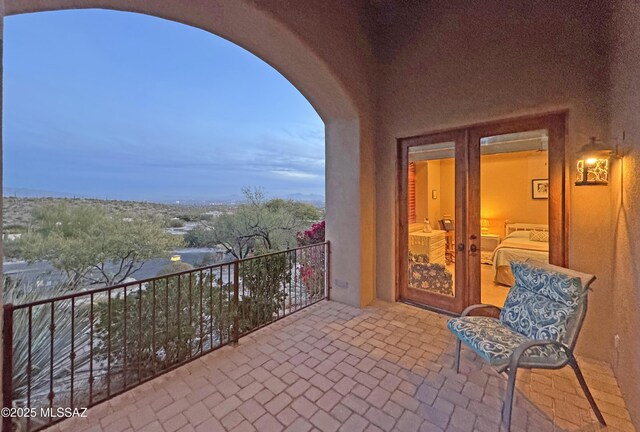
(558, 208)
(558, 204)
(436, 301)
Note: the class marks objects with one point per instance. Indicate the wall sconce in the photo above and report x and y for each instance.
(484, 225)
(593, 164)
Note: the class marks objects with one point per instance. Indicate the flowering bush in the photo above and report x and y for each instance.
(313, 235)
(312, 260)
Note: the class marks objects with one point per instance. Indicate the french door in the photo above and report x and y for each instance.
(449, 221)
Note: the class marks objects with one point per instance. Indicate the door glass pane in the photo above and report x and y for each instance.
(432, 204)
(514, 208)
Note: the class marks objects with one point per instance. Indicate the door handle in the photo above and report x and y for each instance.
(460, 247)
(473, 248)
(473, 237)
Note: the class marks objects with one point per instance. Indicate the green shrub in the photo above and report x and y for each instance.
(163, 323)
(176, 223)
(187, 314)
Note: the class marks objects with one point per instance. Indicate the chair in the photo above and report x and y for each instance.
(428, 276)
(447, 225)
(537, 327)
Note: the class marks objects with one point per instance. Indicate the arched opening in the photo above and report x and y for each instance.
(262, 34)
(348, 200)
(155, 114)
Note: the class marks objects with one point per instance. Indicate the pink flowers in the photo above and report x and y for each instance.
(312, 260)
(313, 235)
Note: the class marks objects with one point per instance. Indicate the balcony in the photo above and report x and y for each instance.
(83, 348)
(333, 367)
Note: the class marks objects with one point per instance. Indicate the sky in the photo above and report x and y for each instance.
(125, 106)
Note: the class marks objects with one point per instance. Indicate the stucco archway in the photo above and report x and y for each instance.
(349, 168)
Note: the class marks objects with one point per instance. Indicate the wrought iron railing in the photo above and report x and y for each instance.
(64, 354)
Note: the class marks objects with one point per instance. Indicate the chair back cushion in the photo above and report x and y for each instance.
(543, 303)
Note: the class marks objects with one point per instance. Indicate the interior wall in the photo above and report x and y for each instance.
(505, 189)
(435, 176)
(625, 131)
(435, 203)
(470, 61)
(448, 188)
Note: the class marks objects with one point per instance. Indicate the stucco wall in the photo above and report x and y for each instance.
(473, 61)
(625, 130)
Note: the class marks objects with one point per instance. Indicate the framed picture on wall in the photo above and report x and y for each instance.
(540, 188)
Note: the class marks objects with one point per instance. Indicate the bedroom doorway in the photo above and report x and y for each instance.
(473, 199)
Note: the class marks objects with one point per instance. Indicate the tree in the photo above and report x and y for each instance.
(93, 246)
(257, 225)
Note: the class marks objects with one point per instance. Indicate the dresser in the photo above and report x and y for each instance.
(431, 244)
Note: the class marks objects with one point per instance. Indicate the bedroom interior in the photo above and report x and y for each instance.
(514, 214)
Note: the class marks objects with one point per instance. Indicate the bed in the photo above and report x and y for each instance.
(518, 246)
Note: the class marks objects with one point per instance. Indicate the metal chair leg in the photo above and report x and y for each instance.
(508, 398)
(457, 356)
(583, 384)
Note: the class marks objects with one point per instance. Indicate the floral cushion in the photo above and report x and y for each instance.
(429, 276)
(554, 285)
(542, 304)
(495, 342)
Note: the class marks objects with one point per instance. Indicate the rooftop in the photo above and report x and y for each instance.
(334, 367)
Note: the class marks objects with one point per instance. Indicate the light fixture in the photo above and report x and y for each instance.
(593, 164)
(484, 225)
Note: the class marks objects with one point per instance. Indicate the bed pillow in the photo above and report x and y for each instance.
(539, 236)
(519, 234)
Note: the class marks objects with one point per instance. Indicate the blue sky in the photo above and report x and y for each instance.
(127, 106)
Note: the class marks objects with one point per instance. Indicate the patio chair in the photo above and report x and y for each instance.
(536, 328)
(429, 276)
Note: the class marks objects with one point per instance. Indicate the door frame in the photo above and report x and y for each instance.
(461, 138)
(558, 203)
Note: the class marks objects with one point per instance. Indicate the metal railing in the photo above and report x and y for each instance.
(74, 351)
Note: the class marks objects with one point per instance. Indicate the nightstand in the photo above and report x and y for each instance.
(488, 243)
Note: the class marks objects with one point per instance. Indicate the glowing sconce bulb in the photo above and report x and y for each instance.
(593, 165)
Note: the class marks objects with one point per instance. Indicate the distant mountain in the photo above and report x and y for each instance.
(37, 193)
(315, 199)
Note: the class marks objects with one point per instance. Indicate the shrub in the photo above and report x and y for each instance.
(263, 289)
(36, 386)
(312, 260)
(168, 321)
(316, 234)
(163, 323)
(176, 223)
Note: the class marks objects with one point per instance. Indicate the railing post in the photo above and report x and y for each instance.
(236, 308)
(327, 280)
(7, 364)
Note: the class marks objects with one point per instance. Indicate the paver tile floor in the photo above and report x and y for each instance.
(334, 368)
